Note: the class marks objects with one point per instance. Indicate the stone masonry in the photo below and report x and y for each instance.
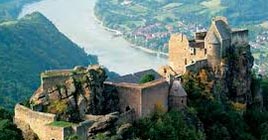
(210, 46)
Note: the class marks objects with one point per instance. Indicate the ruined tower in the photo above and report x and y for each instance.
(223, 50)
(177, 97)
(213, 46)
(178, 52)
(217, 42)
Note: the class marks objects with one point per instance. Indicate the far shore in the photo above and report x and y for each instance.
(161, 54)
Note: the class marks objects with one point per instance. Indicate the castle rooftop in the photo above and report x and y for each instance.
(135, 77)
(177, 89)
(222, 28)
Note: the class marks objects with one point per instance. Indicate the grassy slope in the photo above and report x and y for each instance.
(28, 47)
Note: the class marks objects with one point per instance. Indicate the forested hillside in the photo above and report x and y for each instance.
(29, 46)
(8, 130)
(9, 9)
(125, 16)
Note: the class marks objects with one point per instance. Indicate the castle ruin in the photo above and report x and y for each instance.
(224, 52)
(145, 97)
(136, 100)
(208, 48)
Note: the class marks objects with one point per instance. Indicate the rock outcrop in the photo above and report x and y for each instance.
(110, 125)
(73, 93)
(238, 77)
(103, 123)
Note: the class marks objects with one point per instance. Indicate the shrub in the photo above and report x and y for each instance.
(57, 107)
(147, 78)
(72, 137)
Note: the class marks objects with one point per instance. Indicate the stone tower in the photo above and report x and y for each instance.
(207, 49)
(177, 97)
(178, 52)
(217, 42)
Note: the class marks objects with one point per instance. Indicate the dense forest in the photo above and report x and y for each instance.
(8, 131)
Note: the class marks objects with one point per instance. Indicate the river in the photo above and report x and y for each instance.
(76, 20)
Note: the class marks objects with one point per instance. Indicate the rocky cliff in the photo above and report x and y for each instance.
(238, 79)
(235, 78)
(73, 93)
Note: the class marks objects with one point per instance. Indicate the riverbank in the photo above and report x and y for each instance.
(149, 51)
(104, 27)
(81, 27)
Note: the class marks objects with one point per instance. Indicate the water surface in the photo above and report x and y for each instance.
(75, 19)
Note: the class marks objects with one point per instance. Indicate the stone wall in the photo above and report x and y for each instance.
(81, 130)
(142, 97)
(196, 66)
(129, 96)
(239, 37)
(155, 96)
(39, 122)
(183, 52)
(200, 35)
(178, 51)
(177, 102)
(51, 81)
(213, 45)
(48, 132)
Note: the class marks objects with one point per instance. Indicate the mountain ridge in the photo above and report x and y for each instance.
(31, 45)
